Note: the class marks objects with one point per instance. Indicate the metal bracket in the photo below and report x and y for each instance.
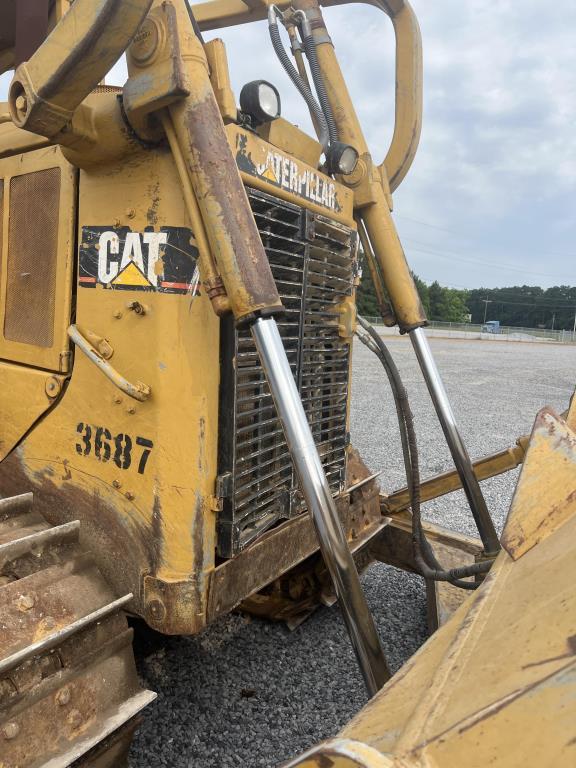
(138, 391)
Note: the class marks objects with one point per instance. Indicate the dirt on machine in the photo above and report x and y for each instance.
(178, 277)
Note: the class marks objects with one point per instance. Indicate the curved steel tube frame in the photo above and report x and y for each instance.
(48, 88)
(408, 121)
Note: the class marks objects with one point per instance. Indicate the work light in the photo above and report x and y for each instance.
(341, 158)
(261, 100)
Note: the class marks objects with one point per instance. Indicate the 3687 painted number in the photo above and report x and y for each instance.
(121, 449)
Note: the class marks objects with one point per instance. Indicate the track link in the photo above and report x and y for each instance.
(69, 693)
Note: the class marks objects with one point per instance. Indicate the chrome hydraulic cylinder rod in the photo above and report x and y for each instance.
(455, 443)
(321, 506)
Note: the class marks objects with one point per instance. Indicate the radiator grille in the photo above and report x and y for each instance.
(313, 260)
(32, 252)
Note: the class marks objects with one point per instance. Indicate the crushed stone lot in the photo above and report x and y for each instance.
(250, 693)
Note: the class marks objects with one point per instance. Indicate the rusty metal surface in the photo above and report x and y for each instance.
(281, 549)
(229, 223)
(546, 494)
(121, 549)
(58, 703)
(297, 594)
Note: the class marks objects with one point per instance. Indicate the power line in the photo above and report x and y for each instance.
(426, 224)
(462, 234)
(497, 296)
(459, 258)
(571, 308)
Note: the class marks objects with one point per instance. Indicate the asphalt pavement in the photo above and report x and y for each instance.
(250, 693)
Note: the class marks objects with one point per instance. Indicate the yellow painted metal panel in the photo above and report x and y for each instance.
(267, 168)
(140, 475)
(25, 395)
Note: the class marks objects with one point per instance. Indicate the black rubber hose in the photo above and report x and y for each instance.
(305, 92)
(195, 25)
(423, 554)
(310, 48)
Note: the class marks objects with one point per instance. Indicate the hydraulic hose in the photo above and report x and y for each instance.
(195, 25)
(291, 71)
(310, 49)
(424, 555)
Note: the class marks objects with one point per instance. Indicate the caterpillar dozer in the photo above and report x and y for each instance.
(178, 270)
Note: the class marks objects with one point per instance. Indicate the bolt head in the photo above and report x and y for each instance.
(129, 495)
(74, 718)
(118, 315)
(25, 603)
(21, 103)
(63, 696)
(116, 483)
(7, 689)
(53, 386)
(10, 730)
(157, 610)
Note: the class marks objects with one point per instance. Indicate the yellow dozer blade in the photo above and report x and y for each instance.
(496, 685)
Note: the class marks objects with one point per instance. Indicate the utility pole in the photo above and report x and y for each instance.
(489, 301)
(553, 319)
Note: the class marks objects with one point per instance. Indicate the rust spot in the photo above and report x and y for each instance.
(157, 535)
(242, 260)
(123, 547)
(152, 212)
(198, 543)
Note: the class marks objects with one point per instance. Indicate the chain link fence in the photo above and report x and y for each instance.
(505, 333)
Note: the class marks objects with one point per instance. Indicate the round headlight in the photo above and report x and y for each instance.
(342, 158)
(260, 100)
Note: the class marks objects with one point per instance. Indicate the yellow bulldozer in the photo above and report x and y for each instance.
(178, 271)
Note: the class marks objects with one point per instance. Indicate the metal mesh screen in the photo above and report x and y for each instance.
(32, 252)
(313, 262)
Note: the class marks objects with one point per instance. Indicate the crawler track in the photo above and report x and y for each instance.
(69, 694)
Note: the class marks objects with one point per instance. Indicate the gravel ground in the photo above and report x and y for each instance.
(251, 693)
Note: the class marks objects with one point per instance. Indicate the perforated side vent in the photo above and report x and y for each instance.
(32, 252)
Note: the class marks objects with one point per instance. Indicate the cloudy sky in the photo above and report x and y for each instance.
(490, 198)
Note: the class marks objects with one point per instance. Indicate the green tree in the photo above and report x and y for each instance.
(366, 300)
(423, 292)
(453, 308)
(447, 304)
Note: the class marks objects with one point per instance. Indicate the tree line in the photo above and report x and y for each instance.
(520, 306)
